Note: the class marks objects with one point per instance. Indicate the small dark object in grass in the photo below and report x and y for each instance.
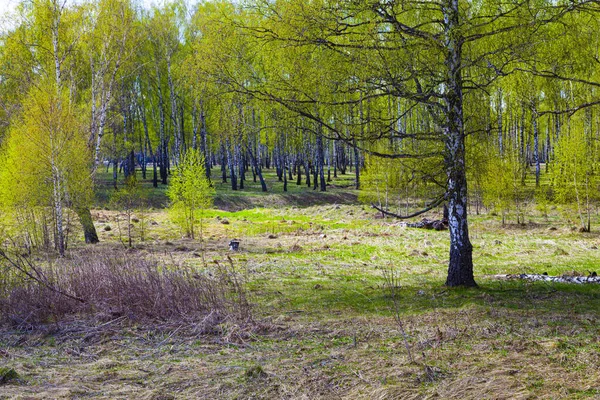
(438, 225)
(234, 245)
(593, 273)
(431, 374)
(552, 228)
(7, 375)
(107, 228)
(545, 273)
(225, 221)
(255, 372)
(167, 243)
(317, 287)
(135, 220)
(272, 236)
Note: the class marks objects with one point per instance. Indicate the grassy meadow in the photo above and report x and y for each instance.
(325, 324)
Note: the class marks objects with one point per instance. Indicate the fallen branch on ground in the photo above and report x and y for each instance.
(578, 279)
(425, 223)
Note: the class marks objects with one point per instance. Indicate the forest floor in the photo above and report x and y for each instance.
(325, 325)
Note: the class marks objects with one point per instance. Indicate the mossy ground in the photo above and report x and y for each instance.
(313, 262)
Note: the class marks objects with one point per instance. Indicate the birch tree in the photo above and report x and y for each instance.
(435, 55)
(46, 160)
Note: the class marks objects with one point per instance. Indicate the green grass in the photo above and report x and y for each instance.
(326, 325)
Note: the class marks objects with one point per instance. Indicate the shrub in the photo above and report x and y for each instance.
(190, 193)
(111, 285)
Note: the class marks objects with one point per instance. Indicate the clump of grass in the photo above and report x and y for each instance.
(296, 248)
(113, 285)
(7, 375)
(255, 372)
(560, 252)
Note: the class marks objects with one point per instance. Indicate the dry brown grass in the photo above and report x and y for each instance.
(117, 283)
(475, 355)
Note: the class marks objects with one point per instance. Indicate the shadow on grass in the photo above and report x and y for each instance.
(243, 200)
(538, 298)
(227, 199)
(252, 196)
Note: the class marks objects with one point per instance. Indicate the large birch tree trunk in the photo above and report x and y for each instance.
(460, 267)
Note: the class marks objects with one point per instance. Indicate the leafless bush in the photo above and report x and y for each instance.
(118, 284)
(392, 284)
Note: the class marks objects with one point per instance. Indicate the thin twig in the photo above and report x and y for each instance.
(391, 281)
(39, 277)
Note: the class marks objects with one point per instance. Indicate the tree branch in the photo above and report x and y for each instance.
(416, 214)
(39, 277)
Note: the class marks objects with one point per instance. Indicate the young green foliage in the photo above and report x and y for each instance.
(190, 193)
(46, 161)
(574, 175)
(501, 184)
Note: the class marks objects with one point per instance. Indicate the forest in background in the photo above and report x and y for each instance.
(417, 98)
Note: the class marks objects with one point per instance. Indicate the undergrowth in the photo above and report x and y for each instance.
(113, 284)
